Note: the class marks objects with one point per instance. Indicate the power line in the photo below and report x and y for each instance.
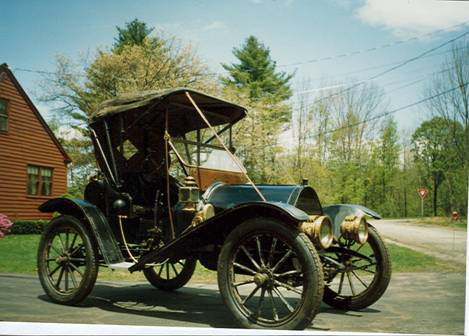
(383, 46)
(326, 58)
(322, 88)
(388, 64)
(400, 65)
(45, 72)
(385, 114)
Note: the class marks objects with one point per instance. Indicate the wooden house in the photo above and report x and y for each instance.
(33, 164)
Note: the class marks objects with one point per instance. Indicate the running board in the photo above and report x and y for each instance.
(121, 266)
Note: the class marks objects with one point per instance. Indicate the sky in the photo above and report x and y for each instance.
(323, 42)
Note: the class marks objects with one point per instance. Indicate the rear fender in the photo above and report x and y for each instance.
(215, 229)
(94, 218)
(338, 212)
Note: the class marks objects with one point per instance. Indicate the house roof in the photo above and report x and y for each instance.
(6, 72)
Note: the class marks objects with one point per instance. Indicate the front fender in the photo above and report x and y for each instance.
(215, 229)
(96, 220)
(338, 212)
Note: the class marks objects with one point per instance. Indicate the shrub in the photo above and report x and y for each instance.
(28, 226)
(5, 225)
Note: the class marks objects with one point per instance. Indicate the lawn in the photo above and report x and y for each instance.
(440, 221)
(18, 255)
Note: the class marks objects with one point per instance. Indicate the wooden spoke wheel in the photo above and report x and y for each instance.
(270, 275)
(67, 260)
(172, 274)
(356, 275)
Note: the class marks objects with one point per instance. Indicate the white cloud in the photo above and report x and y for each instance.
(414, 17)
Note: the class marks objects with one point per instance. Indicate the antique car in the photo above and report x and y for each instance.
(170, 191)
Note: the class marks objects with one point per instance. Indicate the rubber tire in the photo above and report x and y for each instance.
(91, 271)
(305, 251)
(376, 289)
(175, 283)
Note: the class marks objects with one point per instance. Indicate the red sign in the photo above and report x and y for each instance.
(455, 215)
(423, 192)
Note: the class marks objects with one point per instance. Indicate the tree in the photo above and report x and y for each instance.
(134, 68)
(136, 63)
(351, 129)
(134, 33)
(435, 151)
(383, 170)
(454, 105)
(256, 73)
(256, 136)
(255, 84)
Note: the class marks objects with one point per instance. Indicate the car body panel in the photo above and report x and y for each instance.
(225, 196)
(80, 208)
(214, 229)
(338, 212)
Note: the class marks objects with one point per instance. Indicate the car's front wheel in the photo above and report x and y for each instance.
(356, 275)
(270, 275)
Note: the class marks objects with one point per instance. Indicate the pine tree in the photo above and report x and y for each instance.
(256, 73)
(134, 33)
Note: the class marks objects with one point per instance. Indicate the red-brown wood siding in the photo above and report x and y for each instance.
(26, 143)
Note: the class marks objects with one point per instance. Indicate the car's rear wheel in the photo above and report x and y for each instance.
(270, 275)
(356, 275)
(172, 274)
(67, 260)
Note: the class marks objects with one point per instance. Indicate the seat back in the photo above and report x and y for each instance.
(206, 176)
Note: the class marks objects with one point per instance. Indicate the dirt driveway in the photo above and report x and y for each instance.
(441, 242)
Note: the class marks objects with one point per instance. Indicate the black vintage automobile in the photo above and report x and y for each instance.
(170, 192)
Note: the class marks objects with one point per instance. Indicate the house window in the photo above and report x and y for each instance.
(3, 115)
(39, 181)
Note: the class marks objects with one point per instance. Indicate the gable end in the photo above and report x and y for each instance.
(4, 72)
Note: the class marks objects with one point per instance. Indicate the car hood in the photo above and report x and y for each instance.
(225, 196)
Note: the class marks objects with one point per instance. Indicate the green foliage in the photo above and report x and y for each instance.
(346, 151)
(134, 33)
(22, 227)
(256, 136)
(256, 73)
(137, 62)
(435, 154)
(255, 84)
(383, 171)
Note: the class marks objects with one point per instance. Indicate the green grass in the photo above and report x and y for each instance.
(18, 255)
(406, 260)
(442, 221)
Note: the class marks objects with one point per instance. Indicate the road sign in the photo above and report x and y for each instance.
(423, 192)
(455, 216)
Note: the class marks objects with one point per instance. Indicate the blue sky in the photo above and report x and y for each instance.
(32, 33)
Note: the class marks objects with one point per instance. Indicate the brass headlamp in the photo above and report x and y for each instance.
(319, 230)
(205, 213)
(355, 228)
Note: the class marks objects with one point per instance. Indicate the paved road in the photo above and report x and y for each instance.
(414, 303)
(441, 242)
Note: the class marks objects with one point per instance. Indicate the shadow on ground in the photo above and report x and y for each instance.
(186, 305)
